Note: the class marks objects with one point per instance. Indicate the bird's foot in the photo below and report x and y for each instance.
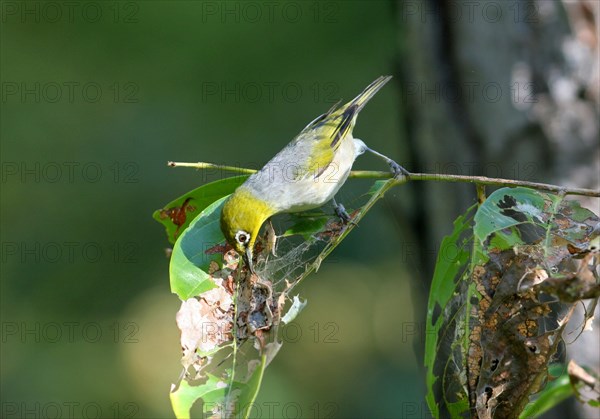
(398, 170)
(342, 214)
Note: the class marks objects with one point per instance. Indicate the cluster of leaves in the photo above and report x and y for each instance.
(230, 318)
(506, 283)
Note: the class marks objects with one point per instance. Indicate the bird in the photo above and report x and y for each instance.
(305, 174)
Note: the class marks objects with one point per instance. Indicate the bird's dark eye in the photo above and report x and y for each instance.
(242, 237)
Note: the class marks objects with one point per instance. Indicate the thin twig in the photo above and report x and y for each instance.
(367, 174)
(210, 166)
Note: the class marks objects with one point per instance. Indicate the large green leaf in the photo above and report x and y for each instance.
(197, 201)
(249, 389)
(228, 399)
(509, 207)
(443, 343)
(191, 255)
(186, 395)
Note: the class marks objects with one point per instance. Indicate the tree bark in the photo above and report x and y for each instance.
(502, 89)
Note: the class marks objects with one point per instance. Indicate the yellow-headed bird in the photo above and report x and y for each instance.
(306, 174)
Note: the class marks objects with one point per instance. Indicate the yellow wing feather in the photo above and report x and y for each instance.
(328, 130)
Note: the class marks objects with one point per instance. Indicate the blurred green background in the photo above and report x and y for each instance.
(186, 81)
(98, 96)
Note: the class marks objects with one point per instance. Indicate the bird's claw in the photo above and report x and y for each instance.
(342, 214)
(397, 170)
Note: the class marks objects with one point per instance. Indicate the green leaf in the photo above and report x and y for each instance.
(190, 260)
(201, 198)
(525, 240)
(306, 226)
(186, 395)
(512, 217)
(555, 392)
(240, 372)
(249, 391)
(508, 240)
(452, 262)
(509, 207)
(377, 186)
(233, 399)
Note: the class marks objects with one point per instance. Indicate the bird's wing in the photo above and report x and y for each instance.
(313, 150)
(327, 131)
(319, 140)
(308, 155)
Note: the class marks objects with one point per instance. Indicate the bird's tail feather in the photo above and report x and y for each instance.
(361, 100)
(351, 109)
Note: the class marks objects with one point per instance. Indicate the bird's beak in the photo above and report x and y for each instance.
(248, 259)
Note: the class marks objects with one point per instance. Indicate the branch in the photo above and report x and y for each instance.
(366, 174)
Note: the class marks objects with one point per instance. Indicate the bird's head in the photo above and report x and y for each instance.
(241, 219)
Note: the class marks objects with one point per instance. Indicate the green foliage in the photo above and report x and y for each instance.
(198, 200)
(496, 215)
(554, 393)
(452, 261)
(217, 394)
(186, 395)
(488, 343)
(223, 372)
(191, 258)
(307, 225)
(200, 208)
(484, 306)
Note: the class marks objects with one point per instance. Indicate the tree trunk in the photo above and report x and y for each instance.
(504, 89)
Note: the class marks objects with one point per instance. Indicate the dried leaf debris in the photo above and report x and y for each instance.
(522, 291)
(532, 260)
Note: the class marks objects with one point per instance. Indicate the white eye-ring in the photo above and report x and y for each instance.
(242, 237)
